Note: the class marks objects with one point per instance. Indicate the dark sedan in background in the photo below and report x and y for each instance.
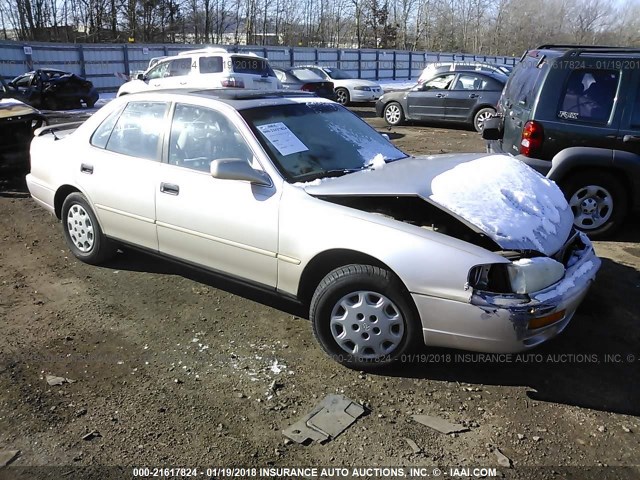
(465, 97)
(301, 78)
(17, 122)
(55, 89)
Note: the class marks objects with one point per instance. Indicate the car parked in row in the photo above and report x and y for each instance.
(464, 97)
(573, 114)
(301, 78)
(296, 194)
(348, 89)
(53, 89)
(206, 68)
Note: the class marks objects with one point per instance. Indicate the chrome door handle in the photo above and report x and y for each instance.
(86, 168)
(170, 188)
(440, 95)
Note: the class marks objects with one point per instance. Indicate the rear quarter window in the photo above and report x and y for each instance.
(588, 95)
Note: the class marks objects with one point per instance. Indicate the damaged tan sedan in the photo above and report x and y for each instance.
(297, 194)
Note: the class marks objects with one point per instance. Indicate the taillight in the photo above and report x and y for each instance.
(308, 87)
(532, 138)
(232, 82)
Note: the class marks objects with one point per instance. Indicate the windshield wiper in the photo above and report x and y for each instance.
(337, 172)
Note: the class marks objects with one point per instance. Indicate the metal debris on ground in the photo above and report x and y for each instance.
(91, 435)
(54, 380)
(8, 456)
(414, 446)
(439, 424)
(329, 418)
(503, 460)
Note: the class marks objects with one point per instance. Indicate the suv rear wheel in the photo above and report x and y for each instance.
(598, 201)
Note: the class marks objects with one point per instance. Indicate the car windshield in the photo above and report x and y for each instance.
(337, 74)
(308, 141)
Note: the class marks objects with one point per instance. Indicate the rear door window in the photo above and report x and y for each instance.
(589, 95)
(138, 130)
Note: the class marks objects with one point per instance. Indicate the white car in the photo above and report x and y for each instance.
(205, 68)
(348, 89)
(298, 195)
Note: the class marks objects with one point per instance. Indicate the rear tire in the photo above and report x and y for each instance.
(82, 231)
(363, 317)
(480, 117)
(598, 200)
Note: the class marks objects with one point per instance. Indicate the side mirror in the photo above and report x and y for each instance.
(492, 129)
(140, 76)
(237, 169)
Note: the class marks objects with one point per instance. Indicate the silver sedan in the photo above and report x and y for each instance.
(298, 195)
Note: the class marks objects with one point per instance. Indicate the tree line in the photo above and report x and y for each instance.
(492, 27)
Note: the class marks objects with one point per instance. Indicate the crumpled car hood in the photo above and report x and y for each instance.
(10, 107)
(497, 195)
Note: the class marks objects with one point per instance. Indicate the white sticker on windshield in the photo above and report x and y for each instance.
(282, 138)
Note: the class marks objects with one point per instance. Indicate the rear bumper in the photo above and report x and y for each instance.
(499, 323)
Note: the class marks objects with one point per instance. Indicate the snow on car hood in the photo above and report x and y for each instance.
(497, 195)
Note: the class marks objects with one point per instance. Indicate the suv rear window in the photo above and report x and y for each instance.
(252, 65)
(589, 95)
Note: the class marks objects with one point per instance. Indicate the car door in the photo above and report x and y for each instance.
(120, 174)
(463, 96)
(157, 77)
(177, 71)
(225, 225)
(427, 101)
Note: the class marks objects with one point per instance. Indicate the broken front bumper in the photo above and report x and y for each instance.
(503, 323)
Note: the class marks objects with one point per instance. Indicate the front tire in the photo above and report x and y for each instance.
(342, 96)
(393, 114)
(82, 231)
(598, 200)
(363, 317)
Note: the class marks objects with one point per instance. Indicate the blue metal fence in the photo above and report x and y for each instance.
(101, 63)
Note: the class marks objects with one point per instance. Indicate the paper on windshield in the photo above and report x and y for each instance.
(282, 138)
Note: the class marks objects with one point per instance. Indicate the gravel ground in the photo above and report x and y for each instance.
(171, 367)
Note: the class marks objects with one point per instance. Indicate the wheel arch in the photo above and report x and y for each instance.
(63, 192)
(327, 261)
(624, 166)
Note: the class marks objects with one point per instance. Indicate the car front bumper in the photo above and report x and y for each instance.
(500, 323)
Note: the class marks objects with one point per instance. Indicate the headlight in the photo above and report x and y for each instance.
(522, 276)
(365, 89)
(533, 274)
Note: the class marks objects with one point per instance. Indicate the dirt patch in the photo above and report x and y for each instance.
(176, 368)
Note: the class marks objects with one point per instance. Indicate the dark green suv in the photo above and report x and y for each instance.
(573, 114)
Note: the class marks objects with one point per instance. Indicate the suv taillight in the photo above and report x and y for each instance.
(308, 87)
(232, 82)
(532, 138)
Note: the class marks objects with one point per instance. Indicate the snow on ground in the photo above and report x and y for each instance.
(507, 200)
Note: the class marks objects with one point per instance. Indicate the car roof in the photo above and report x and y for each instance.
(501, 77)
(239, 99)
(564, 50)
